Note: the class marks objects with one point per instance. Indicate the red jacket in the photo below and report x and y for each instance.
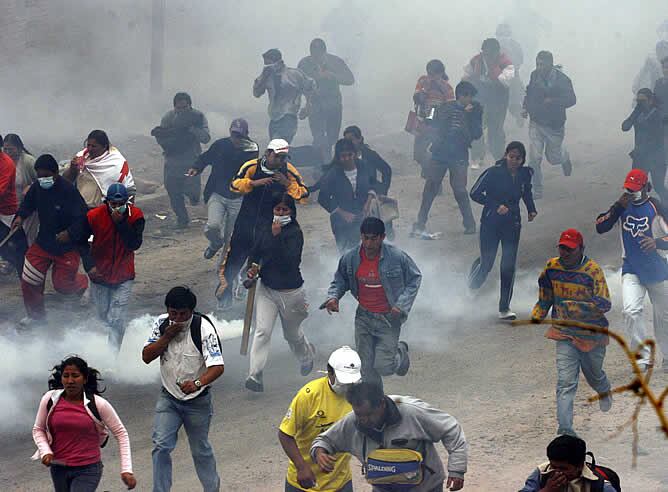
(476, 67)
(9, 203)
(112, 252)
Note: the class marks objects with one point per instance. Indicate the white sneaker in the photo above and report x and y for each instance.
(475, 165)
(507, 316)
(84, 300)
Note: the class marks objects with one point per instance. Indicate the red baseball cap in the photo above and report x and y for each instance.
(635, 180)
(571, 238)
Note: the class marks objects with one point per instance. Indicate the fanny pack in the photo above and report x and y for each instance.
(393, 470)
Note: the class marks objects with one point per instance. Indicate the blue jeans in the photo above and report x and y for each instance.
(569, 362)
(112, 302)
(84, 478)
(195, 416)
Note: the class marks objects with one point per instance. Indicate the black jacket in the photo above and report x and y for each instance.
(496, 186)
(279, 256)
(379, 165)
(59, 208)
(556, 86)
(337, 192)
(456, 129)
(648, 150)
(225, 160)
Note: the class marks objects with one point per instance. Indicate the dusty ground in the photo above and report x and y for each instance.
(497, 380)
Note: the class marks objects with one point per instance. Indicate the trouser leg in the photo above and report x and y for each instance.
(166, 425)
(293, 310)
(387, 333)
(213, 230)
(568, 372)
(36, 264)
(117, 316)
(555, 153)
(458, 181)
(434, 173)
(14, 250)
(510, 240)
(633, 298)
(334, 118)
(658, 175)
(285, 128)
(421, 150)
(266, 312)
(592, 369)
(536, 146)
(658, 294)
(365, 345)
(86, 478)
(237, 254)
(489, 244)
(478, 147)
(174, 185)
(65, 274)
(197, 415)
(495, 121)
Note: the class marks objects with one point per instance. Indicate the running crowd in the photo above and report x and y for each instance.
(85, 213)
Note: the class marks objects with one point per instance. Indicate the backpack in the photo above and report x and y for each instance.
(92, 406)
(604, 474)
(195, 329)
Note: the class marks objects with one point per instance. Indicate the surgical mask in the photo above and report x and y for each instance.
(339, 388)
(46, 183)
(635, 195)
(282, 219)
(120, 210)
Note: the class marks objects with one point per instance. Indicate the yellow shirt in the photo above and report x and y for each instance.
(313, 410)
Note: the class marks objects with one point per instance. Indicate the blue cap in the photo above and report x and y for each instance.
(117, 193)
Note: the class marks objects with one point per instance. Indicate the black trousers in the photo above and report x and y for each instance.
(491, 234)
(179, 186)
(325, 126)
(14, 251)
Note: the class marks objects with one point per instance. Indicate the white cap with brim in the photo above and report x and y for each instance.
(279, 146)
(346, 364)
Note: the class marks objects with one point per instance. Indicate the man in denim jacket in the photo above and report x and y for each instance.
(385, 282)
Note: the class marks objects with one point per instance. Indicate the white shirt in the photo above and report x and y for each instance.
(352, 177)
(181, 361)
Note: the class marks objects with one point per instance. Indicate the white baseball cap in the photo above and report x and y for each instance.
(279, 146)
(346, 364)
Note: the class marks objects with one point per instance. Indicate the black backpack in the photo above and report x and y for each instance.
(195, 329)
(604, 474)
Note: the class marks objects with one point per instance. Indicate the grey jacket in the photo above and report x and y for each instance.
(410, 424)
(399, 276)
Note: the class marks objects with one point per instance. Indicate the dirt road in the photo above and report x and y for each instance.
(497, 380)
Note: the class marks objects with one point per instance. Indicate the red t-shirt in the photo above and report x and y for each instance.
(76, 441)
(8, 200)
(371, 293)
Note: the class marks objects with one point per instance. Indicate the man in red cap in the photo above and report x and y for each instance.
(644, 229)
(574, 288)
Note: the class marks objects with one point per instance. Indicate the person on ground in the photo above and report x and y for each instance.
(285, 87)
(385, 281)
(644, 231)
(651, 69)
(25, 176)
(72, 424)
(62, 214)
(380, 421)
(95, 168)
(345, 193)
(491, 72)
(181, 133)
(326, 105)
(316, 407)
(117, 228)
(431, 91)
(661, 93)
(280, 293)
(649, 153)
(380, 167)
(573, 287)
(256, 181)
(514, 51)
(566, 469)
(225, 156)
(15, 249)
(191, 359)
(458, 123)
(548, 95)
(499, 189)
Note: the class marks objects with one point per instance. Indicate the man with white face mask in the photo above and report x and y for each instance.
(644, 228)
(315, 408)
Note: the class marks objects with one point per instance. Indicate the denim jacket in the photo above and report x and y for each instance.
(399, 276)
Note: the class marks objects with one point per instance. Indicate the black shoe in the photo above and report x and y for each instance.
(404, 359)
(567, 167)
(255, 386)
(470, 230)
(209, 252)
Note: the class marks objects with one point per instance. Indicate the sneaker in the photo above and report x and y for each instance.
(475, 165)
(307, 365)
(644, 366)
(470, 230)
(26, 321)
(507, 315)
(605, 403)
(420, 232)
(253, 385)
(567, 167)
(209, 252)
(404, 359)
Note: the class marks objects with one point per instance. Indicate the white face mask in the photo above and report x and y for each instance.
(635, 195)
(282, 219)
(339, 388)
